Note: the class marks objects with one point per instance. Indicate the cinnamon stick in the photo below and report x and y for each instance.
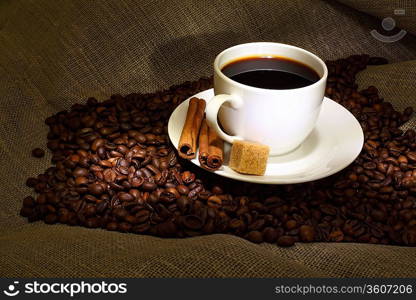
(189, 137)
(211, 148)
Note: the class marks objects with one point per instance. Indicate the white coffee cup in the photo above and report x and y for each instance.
(281, 119)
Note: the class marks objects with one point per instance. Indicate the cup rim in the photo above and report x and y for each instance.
(218, 71)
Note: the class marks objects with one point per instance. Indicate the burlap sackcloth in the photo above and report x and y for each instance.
(55, 53)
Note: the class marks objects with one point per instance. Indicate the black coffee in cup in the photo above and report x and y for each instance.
(278, 73)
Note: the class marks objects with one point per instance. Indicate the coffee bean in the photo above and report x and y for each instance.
(92, 222)
(183, 203)
(166, 229)
(51, 219)
(188, 177)
(183, 189)
(411, 156)
(217, 190)
(96, 189)
(328, 209)
(37, 152)
(112, 226)
(141, 228)
(257, 225)
(131, 219)
(214, 201)
(31, 182)
(81, 180)
(97, 144)
(124, 227)
(193, 222)
(291, 224)
(80, 172)
(255, 237)
(336, 236)
(28, 201)
(307, 233)
(285, 241)
(235, 224)
(125, 197)
(142, 216)
(270, 234)
(370, 165)
(26, 211)
(137, 181)
(149, 186)
(109, 175)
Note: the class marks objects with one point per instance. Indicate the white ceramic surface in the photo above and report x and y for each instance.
(335, 142)
(281, 119)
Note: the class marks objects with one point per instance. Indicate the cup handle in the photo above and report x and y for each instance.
(212, 109)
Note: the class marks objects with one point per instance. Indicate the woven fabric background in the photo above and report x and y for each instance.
(55, 53)
(403, 11)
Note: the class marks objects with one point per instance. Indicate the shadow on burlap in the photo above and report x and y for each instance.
(56, 53)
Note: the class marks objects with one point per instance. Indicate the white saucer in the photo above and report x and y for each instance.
(334, 144)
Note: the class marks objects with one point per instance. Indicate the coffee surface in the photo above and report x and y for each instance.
(276, 73)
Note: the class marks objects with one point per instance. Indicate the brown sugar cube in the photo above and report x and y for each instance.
(249, 158)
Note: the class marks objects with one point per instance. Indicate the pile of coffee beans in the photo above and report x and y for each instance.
(114, 168)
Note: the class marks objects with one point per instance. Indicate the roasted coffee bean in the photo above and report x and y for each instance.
(137, 181)
(81, 180)
(336, 235)
(270, 234)
(26, 211)
(101, 207)
(255, 237)
(92, 222)
(166, 229)
(285, 241)
(37, 152)
(112, 226)
(183, 189)
(169, 195)
(328, 209)
(80, 172)
(125, 197)
(188, 177)
(307, 233)
(235, 224)
(28, 201)
(142, 216)
(370, 165)
(31, 182)
(41, 199)
(411, 156)
(131, 219)
(149, 186)
(183, 203)
(51, 219)
(124, 227)
(257, 225)
(96, 189)
(193, 222)
(141, 228)
(217, 190)
(214, 201)
(291, 224)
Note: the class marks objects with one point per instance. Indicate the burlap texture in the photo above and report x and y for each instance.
(55, 53)
(402, 11)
